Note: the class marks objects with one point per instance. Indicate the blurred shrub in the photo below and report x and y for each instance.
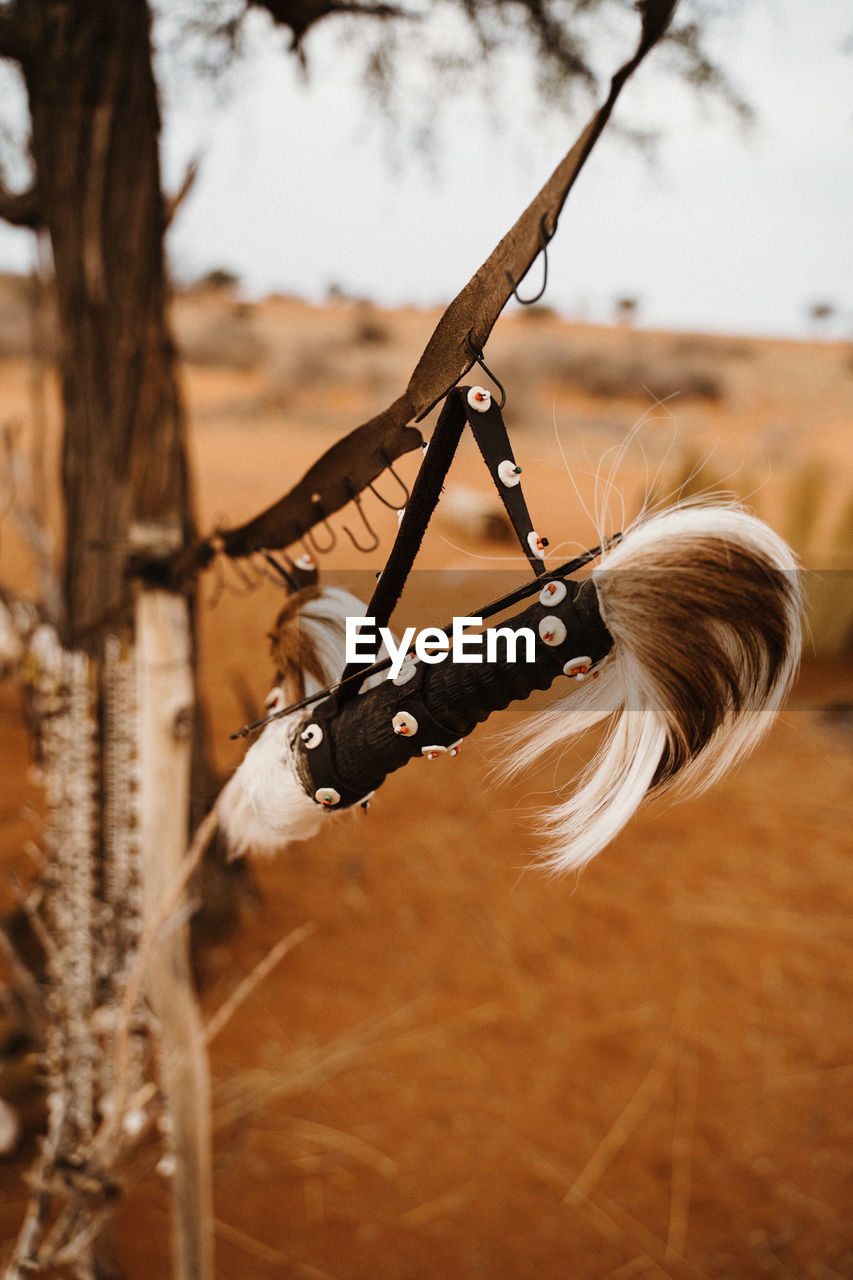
(625, 310)
(828, 578)
(623, 373)
(221, 337)
(468, 513)
(712, 347)
(829, 586)
(538, 311)
(690, 477)
(807, 496)
(370, 328)
(218, 278)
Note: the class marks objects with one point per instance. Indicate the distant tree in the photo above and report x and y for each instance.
(218, 278)
(820, 313)
(625, 310)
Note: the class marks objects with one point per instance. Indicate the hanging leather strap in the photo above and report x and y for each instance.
(486, 421)
(343, 753)
(460, 407)
(424, 497)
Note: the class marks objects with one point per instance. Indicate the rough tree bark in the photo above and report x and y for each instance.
(95, 131)
(95, 127)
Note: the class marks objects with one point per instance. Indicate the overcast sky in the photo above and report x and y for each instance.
(306, 186)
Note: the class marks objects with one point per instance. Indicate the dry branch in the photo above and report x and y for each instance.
(465, 326)
(173, 203)
(301, 15)
(262, 969)
(620, 1131)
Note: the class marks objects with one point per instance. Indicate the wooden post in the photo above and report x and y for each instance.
(165, 701)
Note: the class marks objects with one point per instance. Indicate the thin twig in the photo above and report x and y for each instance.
(336, 1140)
(624, 1125)
(255, 1248)
(148, 943)
(244, 1094)
(245, 988)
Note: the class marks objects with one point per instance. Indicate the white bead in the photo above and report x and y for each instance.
(552, 593)
(432, 752)
(552, 630)
(327, 796)
(312, 736)
(407, 670)
(404, 724)
(533, 544)
(509, 474)
(479, 398)
(576, 668)
(305, 562)
(454, 748)
(133, 1122)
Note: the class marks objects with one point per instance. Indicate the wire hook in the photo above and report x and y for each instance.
(544, 238)
(390, 467)
(248, 584)
(357, 500)
(477, 353)
(333, 537)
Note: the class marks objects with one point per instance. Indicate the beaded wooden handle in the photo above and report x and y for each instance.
(344, 753)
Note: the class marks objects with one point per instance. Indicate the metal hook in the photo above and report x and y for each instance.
(248, 583)
(477, 353)
(321, 551)
(390, 467)
(543, 240)
(357, 500)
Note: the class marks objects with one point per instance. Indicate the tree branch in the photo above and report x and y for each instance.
(174, 202)
(301, 15)
(20, 208)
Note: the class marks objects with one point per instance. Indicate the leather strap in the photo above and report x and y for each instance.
(491, 436)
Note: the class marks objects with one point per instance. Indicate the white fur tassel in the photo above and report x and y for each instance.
(704, 606)
(264, 807)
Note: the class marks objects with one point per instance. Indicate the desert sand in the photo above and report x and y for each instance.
(470, 1068)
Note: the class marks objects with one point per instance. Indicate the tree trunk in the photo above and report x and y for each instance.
(95, 132)
(95, 127)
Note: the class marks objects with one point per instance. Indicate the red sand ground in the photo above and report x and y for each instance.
(471, 1070)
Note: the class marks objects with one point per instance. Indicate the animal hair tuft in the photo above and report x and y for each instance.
(704, 606)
